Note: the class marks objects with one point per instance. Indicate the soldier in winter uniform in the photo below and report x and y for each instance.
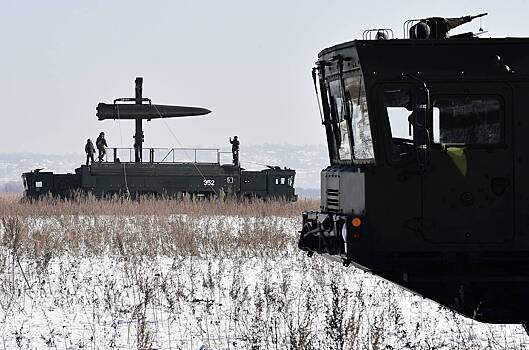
(101, 143)
(89, 150)
(235, 150)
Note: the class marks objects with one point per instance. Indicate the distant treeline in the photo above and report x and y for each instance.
(308, 192)
(11, 187)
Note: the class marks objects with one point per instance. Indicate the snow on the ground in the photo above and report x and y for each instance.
(247, 301)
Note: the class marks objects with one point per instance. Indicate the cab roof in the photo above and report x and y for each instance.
(498, 58)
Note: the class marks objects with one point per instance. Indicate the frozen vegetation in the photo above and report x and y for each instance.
(158, 274)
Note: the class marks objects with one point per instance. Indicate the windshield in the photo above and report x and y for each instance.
(350, 119)
(363, 143)
(337, 104)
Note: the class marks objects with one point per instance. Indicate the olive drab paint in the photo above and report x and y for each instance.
(428, 147)
(162, 176)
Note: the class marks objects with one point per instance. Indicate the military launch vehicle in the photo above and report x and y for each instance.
(173, 172)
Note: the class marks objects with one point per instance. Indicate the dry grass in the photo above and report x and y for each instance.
(149, 227)
(13, 204)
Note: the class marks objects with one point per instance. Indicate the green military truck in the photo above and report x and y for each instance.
(426, 186)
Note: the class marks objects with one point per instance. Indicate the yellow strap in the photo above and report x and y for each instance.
(458, 156)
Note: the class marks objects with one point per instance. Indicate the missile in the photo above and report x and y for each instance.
(146, 111)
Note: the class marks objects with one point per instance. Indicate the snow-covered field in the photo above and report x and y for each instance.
(212, 281)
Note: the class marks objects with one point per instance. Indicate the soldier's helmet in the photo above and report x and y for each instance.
(235, 137)
(102, 134)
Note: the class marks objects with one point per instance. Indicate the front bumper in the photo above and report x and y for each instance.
(336, 236)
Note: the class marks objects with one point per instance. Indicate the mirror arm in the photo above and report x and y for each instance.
(422, 124)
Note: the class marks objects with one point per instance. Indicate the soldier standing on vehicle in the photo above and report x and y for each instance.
(89, 150)
(101, 143)
(235, 150)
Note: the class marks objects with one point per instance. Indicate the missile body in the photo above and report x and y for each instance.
(146, 111)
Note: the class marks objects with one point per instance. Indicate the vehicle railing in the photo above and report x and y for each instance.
(168, 155)
(375, 32)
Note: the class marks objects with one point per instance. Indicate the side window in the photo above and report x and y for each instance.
(467, 120)
(399, 108)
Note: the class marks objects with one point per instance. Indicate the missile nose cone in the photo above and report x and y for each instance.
(184, 111)
(205, 111)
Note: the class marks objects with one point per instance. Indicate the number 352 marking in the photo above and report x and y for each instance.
(209, 182)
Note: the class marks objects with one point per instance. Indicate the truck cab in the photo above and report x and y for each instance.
(427, 181)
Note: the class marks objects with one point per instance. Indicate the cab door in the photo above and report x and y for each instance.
(467, 186)
(393, 196)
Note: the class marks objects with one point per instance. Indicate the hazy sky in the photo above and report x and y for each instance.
(247, 61)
